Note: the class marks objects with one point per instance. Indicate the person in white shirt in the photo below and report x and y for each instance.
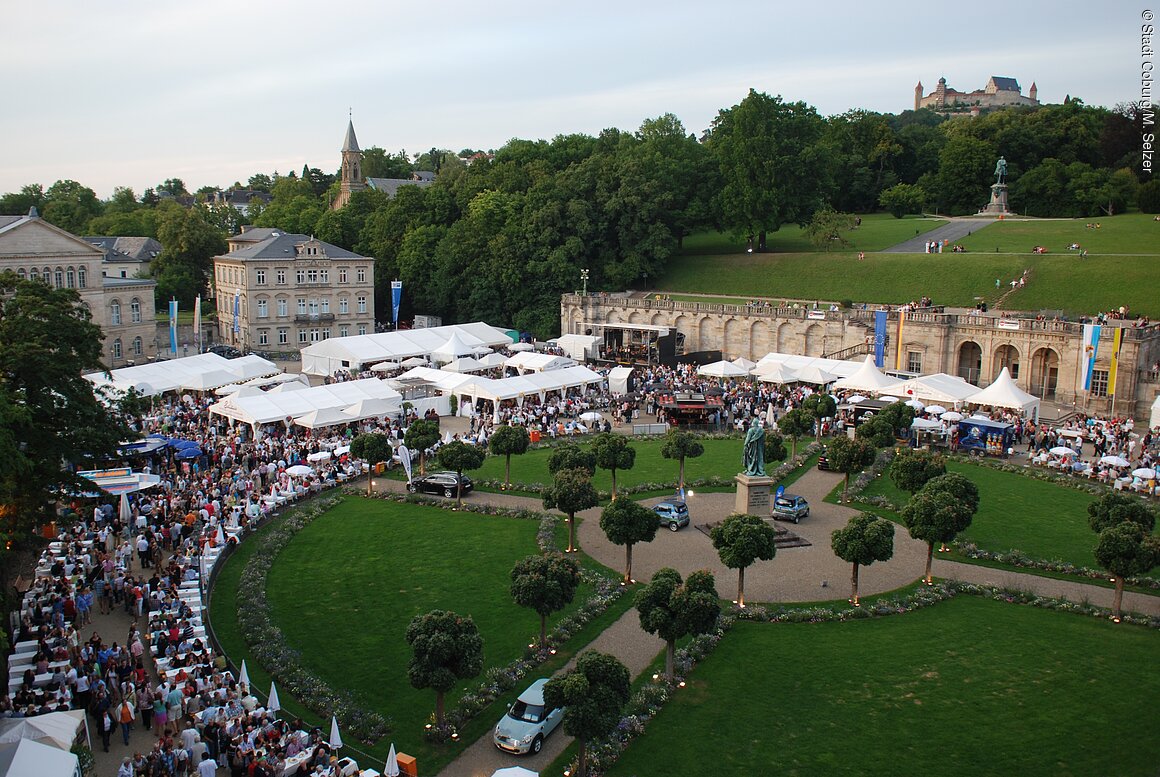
(207, 768)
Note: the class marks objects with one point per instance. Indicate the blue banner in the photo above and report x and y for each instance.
(173, 326)
(879, 338)
(237, 311)
(396, 298)
(1091, 348)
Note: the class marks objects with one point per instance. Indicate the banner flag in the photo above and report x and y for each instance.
(1116, 341)
(898, 344)
(173, 326)
(880, 338)
(197, 323)
(396, 298)
(1091, 347)
(237, 311)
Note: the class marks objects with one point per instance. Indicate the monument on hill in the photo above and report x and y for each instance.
(998, 204)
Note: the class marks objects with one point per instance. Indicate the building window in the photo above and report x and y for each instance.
(58, 277)
(302, 306)
(261, 277)
(34, 274)
(362, 304)
(324, 306)
(115, 313)
(280, 278)
(117, 349)
(324, 276)
(362, 329)
(312, 276)
(138, 346)
(135, 311)
(362, 274)
(343, 305)
(82, 278)
(263, 337)
(282, 308)
(1099, 383)
(300, 277)
(325, 334)
(72, 278)
(313, 307)
(283, 336)
(343, 331)
(263, 308)
(342, 275)
(302, 335)
(914, 362)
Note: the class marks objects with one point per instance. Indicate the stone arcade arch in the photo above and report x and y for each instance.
(784, 337)
(758, 341)
(970, 361)
(1044, 373)
(704, 334)
(813, 344)
(1005, 355)
(732, 339)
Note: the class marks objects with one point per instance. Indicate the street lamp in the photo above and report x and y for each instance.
(584, 280)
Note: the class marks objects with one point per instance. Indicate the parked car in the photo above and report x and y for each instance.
(525, 725)
(225, 351)
(823, 462)
(674, 513)
(440, 483)
(791, 507)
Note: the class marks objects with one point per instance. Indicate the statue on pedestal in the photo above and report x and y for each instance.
(1001, 170)
(753, 454)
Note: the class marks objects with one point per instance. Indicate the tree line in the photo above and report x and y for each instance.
(501, 238)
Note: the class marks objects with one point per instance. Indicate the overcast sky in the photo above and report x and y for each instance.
(132, 92)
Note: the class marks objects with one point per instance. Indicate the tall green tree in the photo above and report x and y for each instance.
(1115, 507)
(70, 206)
(188, 245)
(939, 511)
(1126, 549)
(506, 441)
(864, 540)
(912, 469)
(626, 523)
(902, 199)
(849, 456)
(592, 694)
(460, 457)
(372, 448)
(673, 608)
(571, 491)
(794, 424)
(572, 456)
(681, 445)
(613, 453)
(446, 648)
(740, 540)
(421, 434)
(545, 584)
(820, 406)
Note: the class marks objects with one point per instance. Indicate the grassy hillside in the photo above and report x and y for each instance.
(878, 231)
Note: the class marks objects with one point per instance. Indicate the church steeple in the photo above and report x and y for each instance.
(351, 142)
(351, 178)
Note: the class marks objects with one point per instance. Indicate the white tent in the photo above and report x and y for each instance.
(537, 362)
(520, 386)
(455, 347)
(744, 363)
(619, 380)
(273, 407)
(59, 729)
(722, 369)
(816, 374)
(940, 387)
(1004, 393)
(579, 347)
(463, 364)
(440, 379)
(775, 372)
(251, 366)
(521, 346)
(493, 359)
(322, 417)
(337, 353)
(377, 407)
(868, 379)
(838, 367)
(288, 387)
(27, 758)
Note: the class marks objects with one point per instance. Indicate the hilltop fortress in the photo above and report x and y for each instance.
(1000, 92)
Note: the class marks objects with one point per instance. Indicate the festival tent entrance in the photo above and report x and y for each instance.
(1004, 393)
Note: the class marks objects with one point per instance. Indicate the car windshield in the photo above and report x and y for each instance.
(785, 503)
(532, 713)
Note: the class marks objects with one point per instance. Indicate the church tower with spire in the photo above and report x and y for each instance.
(351, 179)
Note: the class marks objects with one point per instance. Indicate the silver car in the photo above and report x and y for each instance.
(523, 728)
(791, 507)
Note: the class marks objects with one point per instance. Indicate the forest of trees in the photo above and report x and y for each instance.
(499, 240)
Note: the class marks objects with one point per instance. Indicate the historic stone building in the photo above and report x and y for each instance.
(1044, 357)
(121, 306)
(1000, 92)
(351, 178)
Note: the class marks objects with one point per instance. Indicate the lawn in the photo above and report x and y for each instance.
(347, 586)
(1130, 233)
(968, 687)
(1037, 517)
(878, 231)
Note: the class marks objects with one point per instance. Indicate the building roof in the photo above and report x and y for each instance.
(254, 234)
(117, 283)
(1005, 84)
(350, 143)
(127, 249)
(390, 186)
(7, 221)
(282, 245)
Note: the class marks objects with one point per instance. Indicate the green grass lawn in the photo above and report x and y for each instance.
(968, 687)
(878, 231)
(1130, 233)
(347, 586)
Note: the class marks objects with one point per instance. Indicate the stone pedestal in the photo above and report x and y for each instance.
(998, 204)
(753, 495)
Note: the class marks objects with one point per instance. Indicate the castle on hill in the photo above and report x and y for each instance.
(1000, 92)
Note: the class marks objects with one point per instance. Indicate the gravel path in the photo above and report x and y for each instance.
(953, 231)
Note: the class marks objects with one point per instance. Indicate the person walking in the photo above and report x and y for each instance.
(106, 723)
(125, 716)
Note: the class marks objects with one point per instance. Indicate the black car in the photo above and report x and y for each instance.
(225, 351)
(823, 462)
(440, 483)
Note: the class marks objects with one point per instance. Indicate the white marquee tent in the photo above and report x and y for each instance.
(837, 367)
(271, 408)
(440, 379)
(722, 369)
(619, 380)
(529, 361)
(27, 758)
(338, 353)
(520, 386)
(455, 347)
(59, 729)
(1004, 393)
(940, 387)
(200, 372)
(868, 379)
(464, 364)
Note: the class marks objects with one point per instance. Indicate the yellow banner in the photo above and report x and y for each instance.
(1116, 340)
(898, 341)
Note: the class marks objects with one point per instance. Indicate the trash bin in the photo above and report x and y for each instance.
(380, 467)
(534, 435)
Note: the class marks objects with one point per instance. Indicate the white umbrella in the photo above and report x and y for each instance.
(1143, 473)
(952, 415)
(220, 537)
(392, 767)
(916, 404)
(521, 347)
(855, 399)
(319, 456)
(335, 738)
(126, 511)
(299, 470)
(244, 677)
(1115, 461)
(414, 361)
(1060, 450)
(591, 416)
(386, 367)
(889, 398)
(935, 409)
(272, 703)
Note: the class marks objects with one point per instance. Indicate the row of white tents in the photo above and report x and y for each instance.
(200, 372)
(867, 378)
(439, 344)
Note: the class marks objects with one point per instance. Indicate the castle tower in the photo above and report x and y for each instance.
(351, 178)
(918, 96)
(1033, 93)
(940, 93)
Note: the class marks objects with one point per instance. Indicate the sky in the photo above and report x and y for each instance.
(133, 92)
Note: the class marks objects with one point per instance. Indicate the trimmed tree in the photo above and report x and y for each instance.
(672, 608)
(592, 695)
(545, 584)
(612, 453)
(571, 492)
(794, 424)
(460, 456)
(911, 469)
(372, 448)
(626, 523)
(864, 540)
(1115, 508)
(447, 648)
(774, 447)
(681, 445)
(505, 441)
(740, 540)
(849, 456)
(572, 456)
(820, 405)
(1126, 549)
(887, 425)
(420, 436)
(939, 511)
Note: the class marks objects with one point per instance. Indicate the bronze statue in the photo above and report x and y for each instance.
(753, 454)
(1000, 170)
